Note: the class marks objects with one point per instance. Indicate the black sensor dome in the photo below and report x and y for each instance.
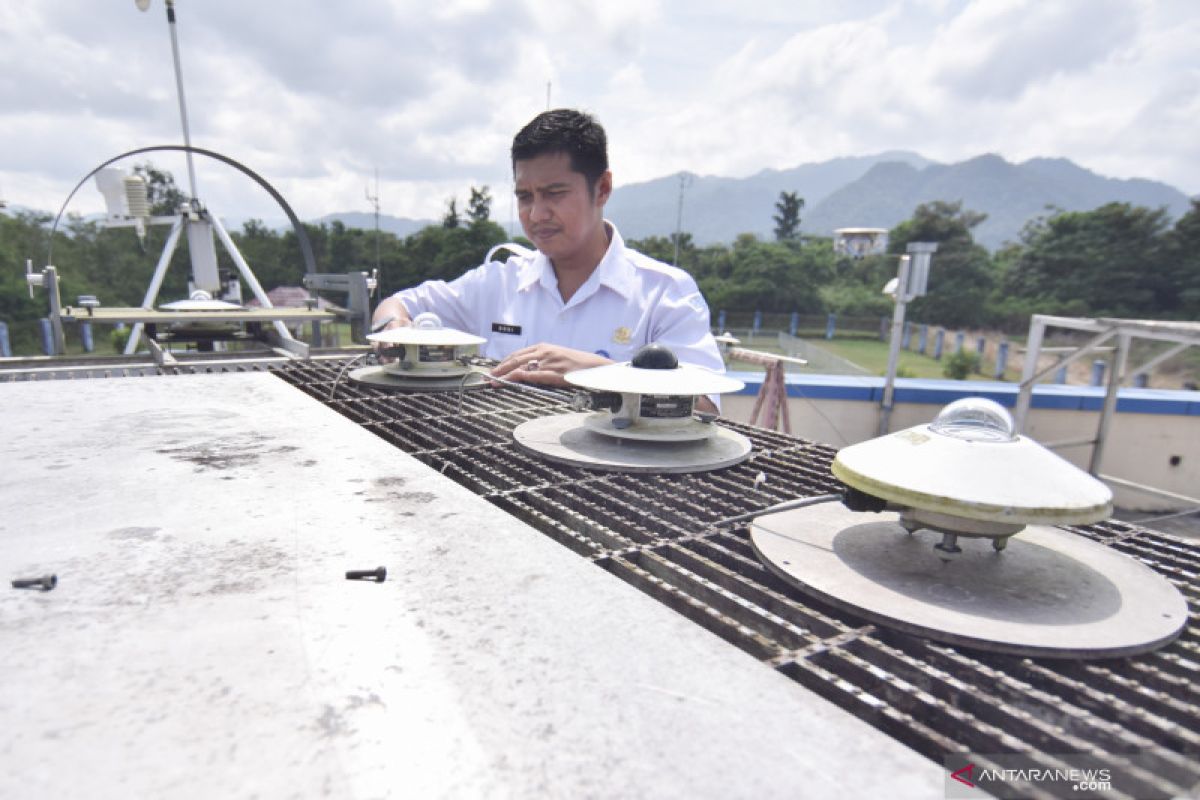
(655, 356)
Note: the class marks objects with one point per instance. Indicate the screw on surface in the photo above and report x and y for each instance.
(45, 583)
(379, 574)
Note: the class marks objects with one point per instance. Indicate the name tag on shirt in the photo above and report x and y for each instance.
(511, 330)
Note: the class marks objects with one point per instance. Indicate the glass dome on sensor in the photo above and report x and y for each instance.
(975, 419)
(427, 320)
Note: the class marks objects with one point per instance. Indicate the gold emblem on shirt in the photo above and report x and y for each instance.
(621, 335)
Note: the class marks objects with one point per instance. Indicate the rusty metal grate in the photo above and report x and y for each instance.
(1140, 714)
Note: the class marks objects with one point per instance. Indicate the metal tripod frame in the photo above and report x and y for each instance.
(164, 261)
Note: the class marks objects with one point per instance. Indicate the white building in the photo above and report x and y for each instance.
(860, 242)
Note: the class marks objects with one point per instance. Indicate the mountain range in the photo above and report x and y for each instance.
(400, 226)
(877, 191)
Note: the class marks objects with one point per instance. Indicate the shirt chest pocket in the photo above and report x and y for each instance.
(621, 342)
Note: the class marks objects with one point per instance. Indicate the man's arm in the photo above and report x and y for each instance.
(454, 302)
(682, 325)
(390, 313)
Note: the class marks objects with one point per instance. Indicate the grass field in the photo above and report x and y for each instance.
(871, 355)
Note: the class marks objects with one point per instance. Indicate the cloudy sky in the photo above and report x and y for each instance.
(315, 95)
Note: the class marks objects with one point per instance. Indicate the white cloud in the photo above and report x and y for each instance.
(1096, 82)
(315, 95)
(998, 48)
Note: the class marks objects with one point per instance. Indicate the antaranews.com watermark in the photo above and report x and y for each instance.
(1067, 775)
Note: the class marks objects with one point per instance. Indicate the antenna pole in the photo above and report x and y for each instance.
(374, 201)
(547, 95)
(187, 136)
(889, 381)
(684, 180)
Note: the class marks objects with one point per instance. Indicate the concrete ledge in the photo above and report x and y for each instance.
(203, 641)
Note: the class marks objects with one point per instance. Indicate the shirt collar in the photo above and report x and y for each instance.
(614, 270)
(531, 270)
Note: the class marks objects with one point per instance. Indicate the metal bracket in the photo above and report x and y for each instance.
(289, 346)
(358, 286)
(161, 357)
(48, 279)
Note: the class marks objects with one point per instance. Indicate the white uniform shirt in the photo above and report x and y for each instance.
(628, 301)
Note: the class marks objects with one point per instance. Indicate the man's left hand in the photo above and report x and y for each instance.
(546, 364)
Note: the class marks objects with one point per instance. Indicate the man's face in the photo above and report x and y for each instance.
(558, 212)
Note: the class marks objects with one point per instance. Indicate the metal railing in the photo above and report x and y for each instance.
(1182, 335)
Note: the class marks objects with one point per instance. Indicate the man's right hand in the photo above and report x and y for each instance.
(390, 313)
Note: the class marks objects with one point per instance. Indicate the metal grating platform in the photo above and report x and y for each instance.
(1140, 715)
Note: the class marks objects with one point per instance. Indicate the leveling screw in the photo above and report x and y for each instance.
(379, 575)
(45, 583)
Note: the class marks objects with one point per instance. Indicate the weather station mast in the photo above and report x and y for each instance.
(212, 313)
(911, 282)
(144, 5)
(208, 289)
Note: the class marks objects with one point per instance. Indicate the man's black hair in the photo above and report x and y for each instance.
(565, 130)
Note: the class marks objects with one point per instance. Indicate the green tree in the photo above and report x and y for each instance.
(22, 236)
(766, 276)
(451, 218)
(345, 247)
(267, 254)
(479, 207)
(89, 260)
(960, 274)
(1111, 261)
(440, 253)
(107, 262)
(662, 248)
(787, 221)
(1178, 291)
(164, 196)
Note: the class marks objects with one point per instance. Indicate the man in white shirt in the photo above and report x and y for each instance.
(582, 299)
